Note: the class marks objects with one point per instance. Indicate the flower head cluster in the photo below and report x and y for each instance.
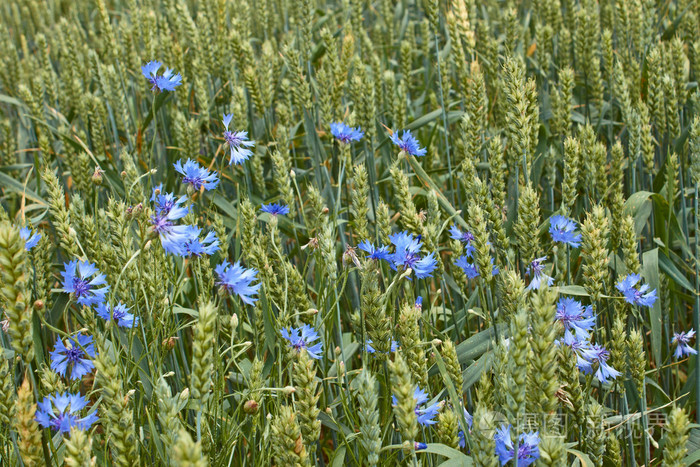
(305, 338)
(275, 209)
(640, 296)
(466, 261)
(408, 143)
(237, 279)
(538, 275)
(563, 230)
(406, 254)
(238, 142)
(169, 209)
(578, 320)
(120, 314)
(165, 82)
(82, 280)
(681, 339)
(196, 176)
(30, 240)
(76, 355)
(528, 447)
(425, 414)
(61, 412)
(346, 134)
(590, 356)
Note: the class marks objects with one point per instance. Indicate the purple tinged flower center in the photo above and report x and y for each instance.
(232, 139)
(74, 354)
(537, 267)
(300, 344)
(81, 286)
(117, 314)
(160, 223)
(410, 259)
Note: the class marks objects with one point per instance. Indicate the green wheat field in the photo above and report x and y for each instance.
(349, 232)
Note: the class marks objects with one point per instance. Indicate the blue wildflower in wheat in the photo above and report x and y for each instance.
(236, 279)
(590, 356)
(683, 348)
(346, 134)
(238, 142)
(168, 209)
(528, 446)
(82, 279)
(165, 82)
(563, 230)
(464, 237)
(578, 320)
(640, 296)
(30, 240)
(197, 246)
(196, 176)
(119, 314)
(469, 419)
(427, 414)
(275, 209)
(407, 255)
(373, 252)
(408, 143)
(305, 338)
(61, 412)
(538, 275)
(76, 356)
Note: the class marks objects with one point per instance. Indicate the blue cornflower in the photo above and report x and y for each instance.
(408, 143)
(470, 268)
(682, 339)
(303, 338)
(394, 346)
(576, 318)
(30, 240)
(406, 255)
(77, 356)
(589, 354)
(374, 252)
(636, 296)
(237, 279)
(418, 446)
(76, 280)
(538, 275)
(275, 209)
(238, 142)
(196, 175)
(470, 422)
(425, 414)
(173, 238)
(60, 412)
(120, 314)
(346, 134)
(419, 302)
(195, 246)
(165, 82)
(457, 234)
(563, 230)
(528, 446)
